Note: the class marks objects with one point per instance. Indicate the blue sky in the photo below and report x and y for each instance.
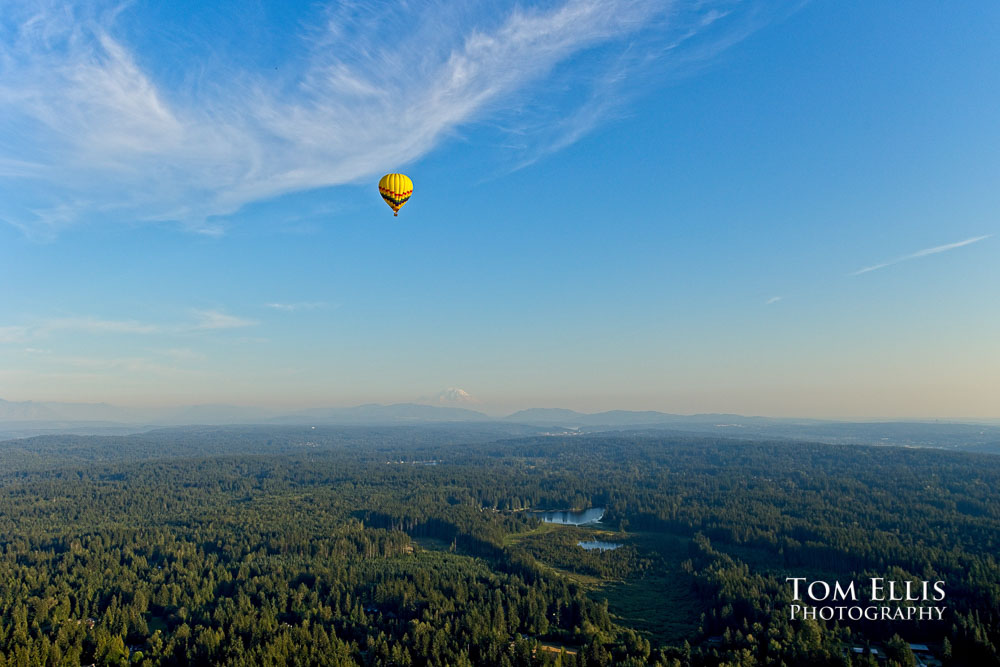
(762, 208)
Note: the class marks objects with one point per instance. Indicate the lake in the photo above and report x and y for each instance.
(599, 545)
(572, 518)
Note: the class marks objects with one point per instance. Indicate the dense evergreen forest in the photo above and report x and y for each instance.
(419, 546)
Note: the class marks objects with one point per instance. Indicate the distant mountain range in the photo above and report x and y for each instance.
(374, 413)
(35, 412)
(21, 419)
(562, 417)
(30, 411)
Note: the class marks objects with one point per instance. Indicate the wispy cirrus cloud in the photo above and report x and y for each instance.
(179, 353)
(773, 300)
(214, 319)
(300, 305)
(922, 253)
(95, 128)
(14, 334)
(204, 320)
(96, 325)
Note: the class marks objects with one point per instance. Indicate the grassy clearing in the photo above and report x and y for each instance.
(542, 529)
(655, 598)
(659, 602)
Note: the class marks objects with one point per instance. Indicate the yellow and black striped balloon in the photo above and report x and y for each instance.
(395, 190)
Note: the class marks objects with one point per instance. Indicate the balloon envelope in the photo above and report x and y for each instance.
(395, 190)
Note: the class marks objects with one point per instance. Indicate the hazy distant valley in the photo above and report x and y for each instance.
(26, 419)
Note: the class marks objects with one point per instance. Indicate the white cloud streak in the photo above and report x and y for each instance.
(14, 334)
(773, 299)
(213, 319)
(205, 320)
(104, 136)
(922, 253)
(94, 325)
(180, 353)
(293, 307)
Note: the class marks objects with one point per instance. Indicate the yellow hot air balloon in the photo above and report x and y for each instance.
(395, 190)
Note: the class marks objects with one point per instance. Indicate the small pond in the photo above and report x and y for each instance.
(598, 545)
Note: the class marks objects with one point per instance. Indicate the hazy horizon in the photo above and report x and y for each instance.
(271, 410)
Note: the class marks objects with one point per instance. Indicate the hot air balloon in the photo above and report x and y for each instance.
(395, 190)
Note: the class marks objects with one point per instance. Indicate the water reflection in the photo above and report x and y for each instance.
(599, 545)
(571, 518)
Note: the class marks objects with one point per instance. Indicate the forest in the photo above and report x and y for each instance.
(421, 545)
